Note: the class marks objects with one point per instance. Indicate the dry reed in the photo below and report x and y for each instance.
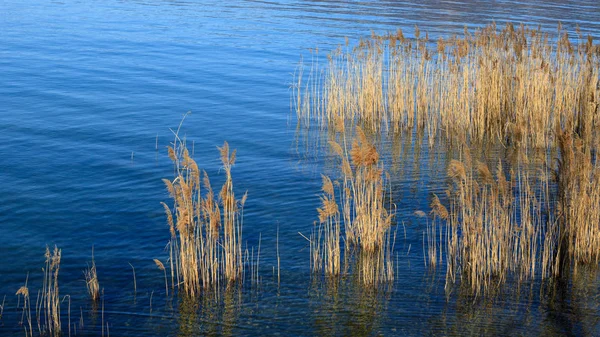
(577, 238)
(50, 298)
(514, 84)
(91, 280)
(24, 291)
(361, 208)
(161, 266)
(494, 227)
(205, 229)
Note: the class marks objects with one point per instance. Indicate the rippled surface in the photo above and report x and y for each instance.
(88, 92)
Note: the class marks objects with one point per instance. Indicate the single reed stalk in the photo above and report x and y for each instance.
(24, 291)
(278, 263)
(134, 281)
(161, 266)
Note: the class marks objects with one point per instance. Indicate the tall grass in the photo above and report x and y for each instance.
(49, 304)
(205, 229)
(496, 225)
(91, 280)
(578, 205)
(361, 206)
(24, 292)
(514, 84)
(520, 225)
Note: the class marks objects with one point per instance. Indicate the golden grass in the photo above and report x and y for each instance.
(24, 292)
(161, 266)
(205, 229)
(495, 226)
(578, 205)
(515, 84)
(521, 225)
(91, 280)
(50, 298)
(361, 206)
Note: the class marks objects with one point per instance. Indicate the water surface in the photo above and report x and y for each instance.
(89, 91)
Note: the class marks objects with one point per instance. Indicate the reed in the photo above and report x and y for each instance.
(205, 229)
(161, 266)
(495, 226)
(578, 205)
(328, 255)
(515, 84)
(24, 292)
(363, 210)
(50, 298)
(91, 280)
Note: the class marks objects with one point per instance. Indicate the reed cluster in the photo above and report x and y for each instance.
(511, 84)
(577, 238)
(515, 225)
(361, 207)
(493, 226)
(205, 228)
(91, 280)
(50, 298)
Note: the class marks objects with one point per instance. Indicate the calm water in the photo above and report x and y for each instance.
(88, 92)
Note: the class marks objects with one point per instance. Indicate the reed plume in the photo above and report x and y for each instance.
(360, 204)
(515, 84)
(205, 228)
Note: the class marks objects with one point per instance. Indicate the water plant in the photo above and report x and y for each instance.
(577, 237)
(365, 215)
(24, 292)
(515, 85)
(50, 298)
(205, 229)
(91, 280)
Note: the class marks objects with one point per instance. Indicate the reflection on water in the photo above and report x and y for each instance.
(209, 316)
(347, 308)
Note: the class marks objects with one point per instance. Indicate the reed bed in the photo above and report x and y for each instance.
(577, 238)
(361, 206)
(521, 223)
(205, 228)
(515, 84)
(495, 227)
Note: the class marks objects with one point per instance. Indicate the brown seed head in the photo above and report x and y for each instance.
(159, 264)
(23, 291)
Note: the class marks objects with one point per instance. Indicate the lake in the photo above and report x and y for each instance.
(90, 94)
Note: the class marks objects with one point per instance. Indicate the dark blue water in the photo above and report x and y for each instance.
(89, 91)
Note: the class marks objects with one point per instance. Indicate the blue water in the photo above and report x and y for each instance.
(89, 91)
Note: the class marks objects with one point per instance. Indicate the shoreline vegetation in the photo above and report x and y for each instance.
(512, 85)
(531, 92)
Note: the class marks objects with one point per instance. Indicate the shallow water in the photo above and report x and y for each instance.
(88, 93)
